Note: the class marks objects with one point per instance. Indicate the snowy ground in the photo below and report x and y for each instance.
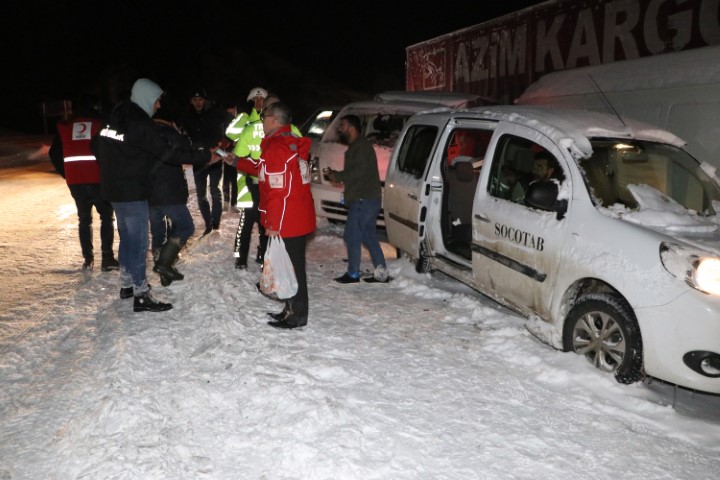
(418, 379)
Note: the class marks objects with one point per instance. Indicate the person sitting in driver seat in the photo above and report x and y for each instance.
(544, 166)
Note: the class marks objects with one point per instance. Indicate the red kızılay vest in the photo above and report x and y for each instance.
(80, 164)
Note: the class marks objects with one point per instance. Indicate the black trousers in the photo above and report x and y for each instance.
(86, 196)
(230, 187)
(299, 304)
(213, 176)
(248, 218)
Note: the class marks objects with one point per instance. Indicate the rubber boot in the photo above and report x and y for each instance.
(168, 255)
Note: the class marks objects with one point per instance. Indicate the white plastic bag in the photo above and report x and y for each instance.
(278, 279)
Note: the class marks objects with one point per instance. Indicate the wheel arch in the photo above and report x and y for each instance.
(579, 289)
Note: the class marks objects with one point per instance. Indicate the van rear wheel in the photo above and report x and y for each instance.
(603, 328)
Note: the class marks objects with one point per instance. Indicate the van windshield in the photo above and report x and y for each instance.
(381, 128)
(620, 169)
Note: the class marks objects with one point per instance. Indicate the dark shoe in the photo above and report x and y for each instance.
(165, 281)
(126, 292)
(207, 230)
(347, 278)
(277, 316)
(167, 257)
(145, 303)
(287, 324)
(240, 264)
(109, 262)
(88, 263)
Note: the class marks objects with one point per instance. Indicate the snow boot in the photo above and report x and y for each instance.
(168, 255)
(146, 303)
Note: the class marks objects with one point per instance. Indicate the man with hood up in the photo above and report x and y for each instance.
(129, 148)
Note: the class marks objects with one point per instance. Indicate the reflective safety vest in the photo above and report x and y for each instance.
(246, 131)
(79, 163)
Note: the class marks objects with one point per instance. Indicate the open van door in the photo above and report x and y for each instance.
(407, 192)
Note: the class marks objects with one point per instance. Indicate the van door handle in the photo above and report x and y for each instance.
(413, 196)
(482, 217)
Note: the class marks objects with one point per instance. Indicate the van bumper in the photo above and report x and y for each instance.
(681, 341)
(329, 203)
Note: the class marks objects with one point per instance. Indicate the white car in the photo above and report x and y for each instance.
(382, 119)
(613, 252)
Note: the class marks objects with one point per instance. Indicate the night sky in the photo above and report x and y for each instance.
(309, 52)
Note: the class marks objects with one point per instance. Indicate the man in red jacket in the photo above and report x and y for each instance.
(70, 154)
(286, 203)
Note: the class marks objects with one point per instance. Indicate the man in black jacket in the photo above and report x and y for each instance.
(205, 124)
(171, 224)
(128, 148)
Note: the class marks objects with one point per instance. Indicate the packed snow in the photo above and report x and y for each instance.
(421, 378)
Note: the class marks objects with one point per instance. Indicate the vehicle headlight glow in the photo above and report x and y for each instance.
(707, 275)
(697, 268)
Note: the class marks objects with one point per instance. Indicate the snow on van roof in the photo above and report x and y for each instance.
(698, 66)
(572, 128)
(447, 99)
(392, 108)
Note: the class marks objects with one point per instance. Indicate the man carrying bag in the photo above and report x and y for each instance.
(286, 203)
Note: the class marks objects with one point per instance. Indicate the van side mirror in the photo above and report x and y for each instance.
(543, 196)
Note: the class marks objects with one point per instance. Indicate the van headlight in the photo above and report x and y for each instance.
(315, 173)
(699, 269)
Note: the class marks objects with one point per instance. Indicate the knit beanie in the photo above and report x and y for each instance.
(144, 94)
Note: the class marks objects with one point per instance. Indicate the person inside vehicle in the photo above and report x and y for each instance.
(545, 167)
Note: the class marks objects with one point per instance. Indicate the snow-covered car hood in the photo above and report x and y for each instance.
(664, 215)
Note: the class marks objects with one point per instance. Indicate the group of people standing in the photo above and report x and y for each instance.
(132, 166)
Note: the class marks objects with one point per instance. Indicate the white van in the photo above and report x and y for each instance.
(605, 234)
(679, 92)
(382, 119)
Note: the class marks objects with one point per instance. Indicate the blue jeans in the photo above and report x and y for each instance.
(180, 221)
(360, 230)
(132, 222)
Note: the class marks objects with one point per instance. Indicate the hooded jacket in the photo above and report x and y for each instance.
(130, 146)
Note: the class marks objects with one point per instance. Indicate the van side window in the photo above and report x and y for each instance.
(468, 145)
(517, 163)
(416, 149)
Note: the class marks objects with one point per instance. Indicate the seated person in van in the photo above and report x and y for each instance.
(464, 146)
(545, 167)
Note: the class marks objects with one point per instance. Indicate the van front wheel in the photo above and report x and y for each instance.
(602, 327)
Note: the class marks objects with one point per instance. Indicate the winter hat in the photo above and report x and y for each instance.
(144, 94)
(200, 92)
(257, 92)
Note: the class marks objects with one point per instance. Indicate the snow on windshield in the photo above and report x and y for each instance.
(627, 176)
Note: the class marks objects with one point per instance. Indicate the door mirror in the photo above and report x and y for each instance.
(544, 196)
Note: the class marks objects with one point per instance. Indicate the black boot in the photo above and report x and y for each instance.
(109, 262)
(168, 255)
(145, 303)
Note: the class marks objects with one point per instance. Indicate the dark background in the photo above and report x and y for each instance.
(311, 53)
